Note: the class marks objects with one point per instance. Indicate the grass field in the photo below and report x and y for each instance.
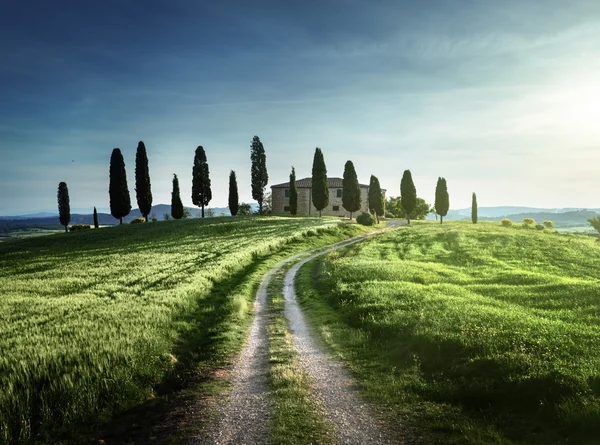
(469, 334)
(91, 322)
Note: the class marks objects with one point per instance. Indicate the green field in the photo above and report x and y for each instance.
(469, 333)
(91, 322)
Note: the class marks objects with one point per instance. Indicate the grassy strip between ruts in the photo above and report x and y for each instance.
(296, 417)
(93, 322)
(468, 333)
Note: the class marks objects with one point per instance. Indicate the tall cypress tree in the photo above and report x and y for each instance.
(408, 192)
(259, 176)
(293, 193)
(64, 206)
(351, 199)
(234, 199)
(96, 225)
(320, 191)
(120, 201)
(176, 204)
(442, 200)
(376, 202)
(201, 192)
(474, 208)
(142, 181)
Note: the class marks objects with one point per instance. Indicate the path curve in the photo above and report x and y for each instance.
(243, 418)
(354, 420)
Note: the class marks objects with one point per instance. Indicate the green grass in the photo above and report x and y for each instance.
(469, 334)
(296, 418)
(91, 322)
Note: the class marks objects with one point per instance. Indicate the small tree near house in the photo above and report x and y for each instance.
(408, 193)
(376, 202)
(320, 191)
(351, 199)
(259, 176)
(293, 193)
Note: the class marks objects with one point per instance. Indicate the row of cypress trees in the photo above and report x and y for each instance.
(351, 197)
(120, 202)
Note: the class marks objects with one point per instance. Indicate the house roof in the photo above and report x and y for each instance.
(307, 183)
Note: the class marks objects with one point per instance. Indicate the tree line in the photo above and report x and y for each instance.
(119, 196)
(407, 204)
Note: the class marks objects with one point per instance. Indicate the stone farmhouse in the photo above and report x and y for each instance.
(281, 198)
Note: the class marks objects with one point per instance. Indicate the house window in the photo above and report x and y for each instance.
(286, 208)
(339, 193)
(336, 208)
(286, 193)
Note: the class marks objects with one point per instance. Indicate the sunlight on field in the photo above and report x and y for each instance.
(491, 334)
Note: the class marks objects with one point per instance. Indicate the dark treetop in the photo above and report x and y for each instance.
(351, 199)
(320, 191)
(376, 203)
(176, 204)
(201, 192)
(408, 192)
(234, 199)
(120, 201)
(442, 200)
(293, 193)
(64, 207)
(259, 176)
(142, 181)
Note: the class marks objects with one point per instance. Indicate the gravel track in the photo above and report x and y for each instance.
(354, 420)
(242, 416)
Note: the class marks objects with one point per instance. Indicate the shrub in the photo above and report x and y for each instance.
(76, 227)
(365, 219)
(389, 214)
(548, 224)
(540, 226)
(595, 222)
(138, 220)
(506, 222)
(529, 221)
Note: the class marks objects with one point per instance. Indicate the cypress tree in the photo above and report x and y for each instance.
(234, 199)
(120, 201)
(351, 199)
(259, 176)
(142, 181)
(376, 203)
(201, 192)
(176, 204)
(96, 225)
(320, 191)
(442, 200)
(293, 193)
(474, 208)
(64, 206)
(408, 193)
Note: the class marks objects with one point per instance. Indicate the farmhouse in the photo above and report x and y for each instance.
(281, 198)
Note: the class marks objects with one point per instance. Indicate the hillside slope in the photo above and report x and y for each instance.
(91, 322)
(470, 333)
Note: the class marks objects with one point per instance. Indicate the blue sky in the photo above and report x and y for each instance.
(501, 98)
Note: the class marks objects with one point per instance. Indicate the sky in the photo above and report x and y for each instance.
(500, 98)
